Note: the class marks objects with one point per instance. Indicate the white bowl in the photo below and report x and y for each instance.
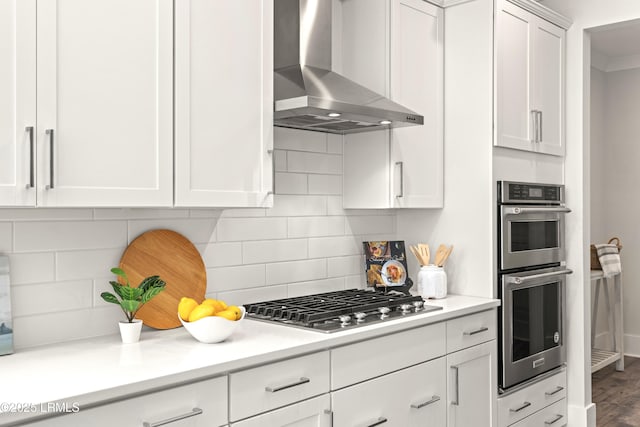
(212, 329)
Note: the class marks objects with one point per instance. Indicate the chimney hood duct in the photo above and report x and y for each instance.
(308, 95)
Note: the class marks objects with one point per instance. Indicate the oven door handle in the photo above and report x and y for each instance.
(520, 280)
(517, 210)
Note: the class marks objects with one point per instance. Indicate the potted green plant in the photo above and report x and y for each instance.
(131, 299)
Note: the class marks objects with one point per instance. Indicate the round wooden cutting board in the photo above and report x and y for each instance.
(173, 257)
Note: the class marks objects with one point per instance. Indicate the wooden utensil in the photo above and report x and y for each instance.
(424, 251)
(173, 257)
(443, 254)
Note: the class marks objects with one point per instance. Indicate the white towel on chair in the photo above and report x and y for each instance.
(609, 259)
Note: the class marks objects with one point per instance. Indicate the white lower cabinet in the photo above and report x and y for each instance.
(200, 404)
(413, 396)
(314, 412)
(521, 407)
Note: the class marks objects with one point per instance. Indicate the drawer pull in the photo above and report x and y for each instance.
(477, 331)
(379, 421)
(302, 380)
(434, 399)
(521, 407)
(551, 393)
(193, 413)
(553, 421)
(32, 153)
(456, 401)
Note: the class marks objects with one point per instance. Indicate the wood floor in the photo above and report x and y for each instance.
(617, 395)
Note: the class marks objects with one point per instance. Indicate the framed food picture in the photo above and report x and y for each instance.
(6, 328)
(385, 263)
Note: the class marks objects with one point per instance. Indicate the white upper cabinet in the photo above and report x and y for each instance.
(104, 102)
(224, 103)
(530, 57)
(17, 102)
(394, 47)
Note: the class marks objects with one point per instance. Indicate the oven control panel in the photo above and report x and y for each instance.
(522, 192)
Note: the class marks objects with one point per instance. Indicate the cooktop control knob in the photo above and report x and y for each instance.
(406, 308)
(360, 316)
(384, 312)
(344, 319)
(418, 305)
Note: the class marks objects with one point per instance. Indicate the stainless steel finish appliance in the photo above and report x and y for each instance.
(338, 310)
(532, 274)
(308, 94)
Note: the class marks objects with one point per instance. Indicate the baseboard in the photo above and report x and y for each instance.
(632, 345)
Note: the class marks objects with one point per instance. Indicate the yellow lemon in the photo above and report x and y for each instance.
(185, 307)
(235, 310)
(227, 314)
(203, 310)
(216, 304)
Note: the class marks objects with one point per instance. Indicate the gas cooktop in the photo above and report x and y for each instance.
(338, 310)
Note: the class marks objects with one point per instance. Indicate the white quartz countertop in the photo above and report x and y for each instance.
(90, 371)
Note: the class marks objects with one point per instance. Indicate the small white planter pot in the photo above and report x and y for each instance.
(130, 332)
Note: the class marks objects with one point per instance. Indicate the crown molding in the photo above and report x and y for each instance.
(544, 13)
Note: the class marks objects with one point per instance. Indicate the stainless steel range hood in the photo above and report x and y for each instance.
(308, 95)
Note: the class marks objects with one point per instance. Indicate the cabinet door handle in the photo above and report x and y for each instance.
(50, 134)
(328, 418)
(534, 126)
(539, 126)
(521, 407)
(456, 401)
(477, 331)
(557, 418)
(274, 389)
(193, 413)
(433, 399)
(551, 393)
(377, 422)
(273, 172)
(401, 164)
(32, 156)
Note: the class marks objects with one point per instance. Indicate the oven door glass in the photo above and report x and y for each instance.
(532, 323)
(532, 236)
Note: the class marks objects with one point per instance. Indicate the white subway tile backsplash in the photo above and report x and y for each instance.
(221, 254)
(140, 213)
(51, 297)
(243, 213)
(291, 183)
(273, 251)
(43, 214)
(288, 205)
(235, 229)
(325, 247)
(6, 237)
(43, 236)
(245, 296)
(298, 161)
(280, 161)
(359, 225)
(87, 264)
(325, 184)
(32, 268)
(235, 278)
(296, 271)
(197, 230)
(355, 281)
(334, 143)
(334, 207)
(205, 213)
(345, 266)
(299, 140)
(316, 226)
(316, 286)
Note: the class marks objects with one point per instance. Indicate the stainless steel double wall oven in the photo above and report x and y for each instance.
(531, 274)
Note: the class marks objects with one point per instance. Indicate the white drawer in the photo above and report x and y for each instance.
(271, 386)
(415, 396)
(471, 330)
(313, 412)
(201, 404)
(361, 361)
(554, 415)
(522, 403)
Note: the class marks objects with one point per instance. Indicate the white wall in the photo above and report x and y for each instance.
(60, 259)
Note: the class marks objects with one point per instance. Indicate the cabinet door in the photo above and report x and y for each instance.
(105, 103)
(417, 83)
(314, 412)
(17, 102)
(224, 103)
(514, 118)
(472, 386)
(407, 397)
(548, 85)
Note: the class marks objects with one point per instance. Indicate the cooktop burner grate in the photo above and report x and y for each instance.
(334, 311)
